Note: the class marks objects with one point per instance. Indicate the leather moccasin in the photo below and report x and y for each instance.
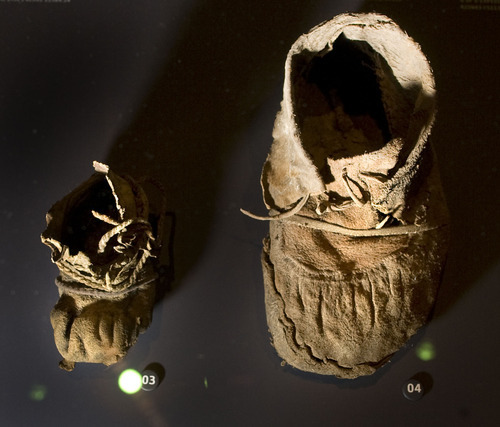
(104, 240)
(358, 222)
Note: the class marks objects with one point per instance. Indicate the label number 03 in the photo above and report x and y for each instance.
(149, 379)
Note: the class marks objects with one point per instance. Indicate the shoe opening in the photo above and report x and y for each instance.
(81, 230)
(338, 101)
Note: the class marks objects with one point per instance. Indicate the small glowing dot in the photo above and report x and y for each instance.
(426, 351)
(130, 381)
(38, 392)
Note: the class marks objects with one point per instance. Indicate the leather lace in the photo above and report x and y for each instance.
(354, 199)
(124, 242)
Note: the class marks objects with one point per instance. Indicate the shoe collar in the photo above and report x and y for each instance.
(386, 173)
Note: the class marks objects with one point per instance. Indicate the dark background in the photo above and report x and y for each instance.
(186, 91)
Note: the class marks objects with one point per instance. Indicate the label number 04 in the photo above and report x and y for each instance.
(413, 388)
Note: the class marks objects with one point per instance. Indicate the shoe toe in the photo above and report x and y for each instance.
(340, 305)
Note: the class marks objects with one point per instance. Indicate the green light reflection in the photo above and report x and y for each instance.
(38, 392)
(426, 351)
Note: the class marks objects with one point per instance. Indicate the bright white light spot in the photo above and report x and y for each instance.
(130, 381)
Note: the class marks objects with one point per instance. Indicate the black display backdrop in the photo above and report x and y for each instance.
(187, 91)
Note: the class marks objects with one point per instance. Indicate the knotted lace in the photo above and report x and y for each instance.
(341, 204)
(126, 232)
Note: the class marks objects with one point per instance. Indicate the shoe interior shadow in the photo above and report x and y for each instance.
(344, 77)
